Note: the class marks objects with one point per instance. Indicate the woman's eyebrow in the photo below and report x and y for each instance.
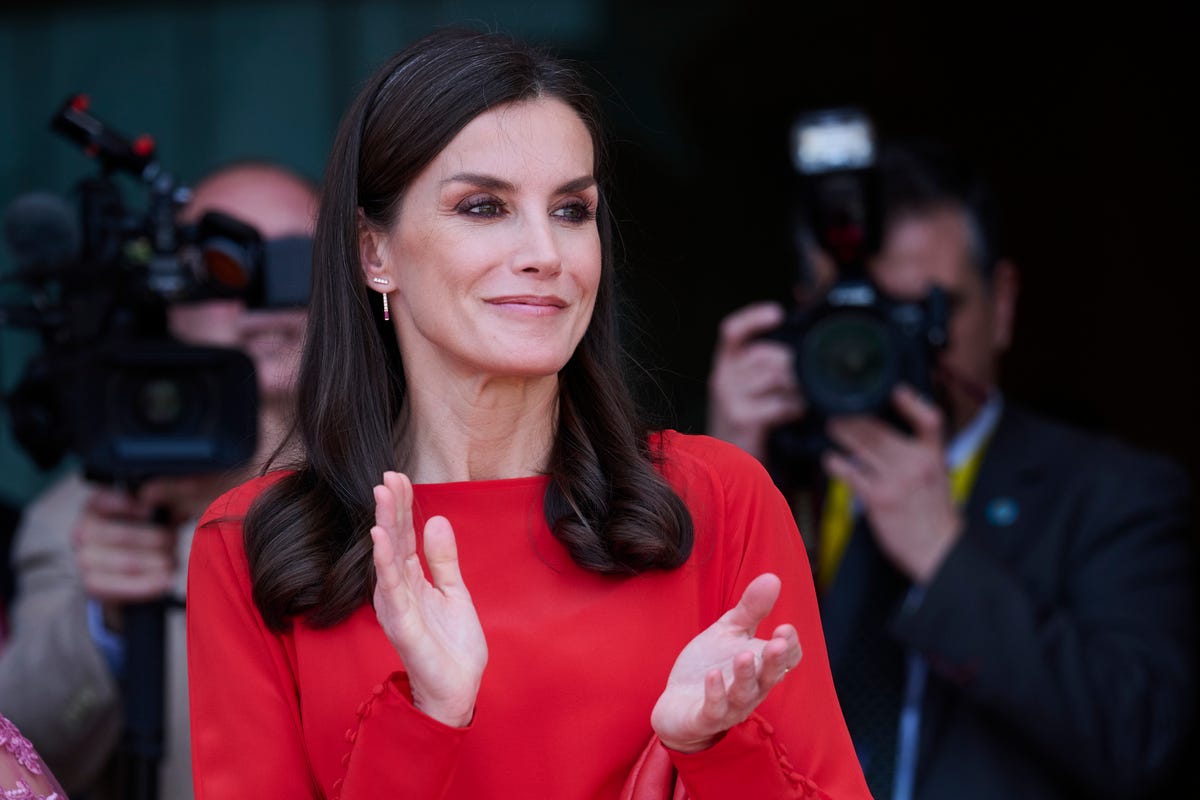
(499, 185)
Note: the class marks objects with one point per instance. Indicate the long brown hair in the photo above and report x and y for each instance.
(307, 536)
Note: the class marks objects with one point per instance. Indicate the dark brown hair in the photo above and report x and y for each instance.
(307, 537)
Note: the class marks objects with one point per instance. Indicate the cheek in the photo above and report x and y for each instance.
(434, 265)
(589, 285)
(970, 335)
(587, 271)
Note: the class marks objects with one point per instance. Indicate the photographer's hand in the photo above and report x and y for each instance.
(902, 482)
(752, 386)
(123, 555)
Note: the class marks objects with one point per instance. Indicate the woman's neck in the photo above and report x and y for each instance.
(495, 431)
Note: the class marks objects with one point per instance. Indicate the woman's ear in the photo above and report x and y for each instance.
(372, 252)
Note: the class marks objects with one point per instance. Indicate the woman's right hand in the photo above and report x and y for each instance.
(432, 625)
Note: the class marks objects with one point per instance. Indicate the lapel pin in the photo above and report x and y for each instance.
(1002, 512)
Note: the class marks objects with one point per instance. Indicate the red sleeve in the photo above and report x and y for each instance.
(748, 761)
(389, 724)
(247, 733)
(247, 738)
(796, 744)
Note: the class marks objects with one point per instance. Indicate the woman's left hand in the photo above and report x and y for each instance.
(725, 672)
(430, 621)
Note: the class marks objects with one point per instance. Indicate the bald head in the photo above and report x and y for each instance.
(274, 200)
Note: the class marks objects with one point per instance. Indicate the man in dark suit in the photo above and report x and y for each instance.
(1008, 602)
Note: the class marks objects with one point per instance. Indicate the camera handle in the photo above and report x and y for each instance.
(143, 685)
(143, 698)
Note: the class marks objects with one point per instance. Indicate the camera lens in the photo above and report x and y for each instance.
(159, 402)
(162, 401)
(847, 363)
(160, 407)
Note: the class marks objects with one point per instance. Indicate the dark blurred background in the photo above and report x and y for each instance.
(1078, 118)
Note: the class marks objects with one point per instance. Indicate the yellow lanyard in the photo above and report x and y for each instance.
(837, 518)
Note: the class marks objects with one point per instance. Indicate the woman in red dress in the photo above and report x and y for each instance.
(487, 577)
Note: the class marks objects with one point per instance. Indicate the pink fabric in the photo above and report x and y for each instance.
(23, 776)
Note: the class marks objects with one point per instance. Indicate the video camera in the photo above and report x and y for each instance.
(111, 384)
(855, 344)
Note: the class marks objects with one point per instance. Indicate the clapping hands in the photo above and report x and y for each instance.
(718, 679)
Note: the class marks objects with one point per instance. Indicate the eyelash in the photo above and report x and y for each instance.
(579, 211)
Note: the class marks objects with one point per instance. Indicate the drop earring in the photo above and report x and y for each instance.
(386, 314)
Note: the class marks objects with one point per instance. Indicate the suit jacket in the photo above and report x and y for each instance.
(1059, 631)
(55, 683)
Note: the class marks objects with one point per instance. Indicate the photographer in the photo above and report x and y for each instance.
(1008, 602)
(84, 551)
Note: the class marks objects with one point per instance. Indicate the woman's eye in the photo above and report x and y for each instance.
(576, 212)
(481, 207)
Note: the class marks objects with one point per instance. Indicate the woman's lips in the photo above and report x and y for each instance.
(536, 305)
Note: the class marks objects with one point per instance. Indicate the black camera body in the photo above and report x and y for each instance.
(111, 384)
(134, 408)
(856, 343)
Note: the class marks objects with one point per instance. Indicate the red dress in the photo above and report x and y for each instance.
(576, 662)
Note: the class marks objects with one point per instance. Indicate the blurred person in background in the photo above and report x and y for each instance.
(1008, 601)
(84, 551)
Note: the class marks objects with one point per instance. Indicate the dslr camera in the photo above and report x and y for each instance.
(110, 384)
(855, 343)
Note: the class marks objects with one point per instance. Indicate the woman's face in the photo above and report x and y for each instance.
(493, 260)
